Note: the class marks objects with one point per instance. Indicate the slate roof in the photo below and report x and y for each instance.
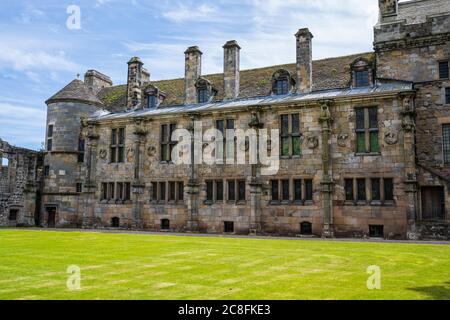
(75, 91)
(332, 73)
(389, 86)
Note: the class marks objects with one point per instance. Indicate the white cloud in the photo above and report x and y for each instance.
(25, 55)
(184, 13)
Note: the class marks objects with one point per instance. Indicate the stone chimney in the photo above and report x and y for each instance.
(193, 71)
(388, 8)
(96, 81)
(231, 65)
(134, 96)
(304, 60)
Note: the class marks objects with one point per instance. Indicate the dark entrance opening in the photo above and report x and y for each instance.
(115, 222)
(51, 217)
(165, 224)
(13, 213)
(376, 231)
(433, 203)
(306, 228)
(228, 226)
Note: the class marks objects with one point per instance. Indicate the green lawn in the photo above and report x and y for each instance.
(33, 265)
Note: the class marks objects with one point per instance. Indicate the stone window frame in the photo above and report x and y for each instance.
(81, 149)
(285, 76)
(440, 71)
(158, 96)
(117, 192)
(50, 134)
(367, 130)
(78, 187)
(368, 191)
(304, 199)
(236, 191)
(160, 185)
(226, 123)
(205, 91)
(47, 171)
(447, 95)
(165, 141)
(445, 143)
(214, 195)
(117, 145)
(290, 135)
(362, 65)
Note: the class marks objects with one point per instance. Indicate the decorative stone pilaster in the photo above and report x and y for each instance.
(193, 186)
(326, 183)
(255, 181)
(89, 216)
(138, 186)
(411, 184)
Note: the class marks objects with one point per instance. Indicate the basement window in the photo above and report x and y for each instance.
(376, 231)
(228, 227)
(306, 228)
(13, 213)
(165, 224)
(115, 222)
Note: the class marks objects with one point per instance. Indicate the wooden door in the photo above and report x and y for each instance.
(433, 203)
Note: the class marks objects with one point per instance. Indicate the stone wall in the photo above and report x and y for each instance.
(19, 185)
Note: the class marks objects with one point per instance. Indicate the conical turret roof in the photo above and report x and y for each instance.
(75, 91)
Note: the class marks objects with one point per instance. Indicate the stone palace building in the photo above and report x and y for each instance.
(364, 143)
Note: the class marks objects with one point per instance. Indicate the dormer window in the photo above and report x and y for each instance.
(282, 82)
(154, 97)
(362, 78)
(282, 86)
(205, 90)
(362, 73)
(202, 95)
(152, 102)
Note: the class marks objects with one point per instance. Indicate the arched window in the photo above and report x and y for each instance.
(205, 90)
(362, 73)
(154, 97)
(115, 222)
(282, 82)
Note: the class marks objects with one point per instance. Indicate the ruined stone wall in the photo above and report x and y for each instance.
(19, 185)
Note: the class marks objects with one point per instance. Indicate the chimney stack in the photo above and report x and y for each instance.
(231, 69)
(304, 61)
(134, 96)
(388, 8)
(193, 71)
(96, 81)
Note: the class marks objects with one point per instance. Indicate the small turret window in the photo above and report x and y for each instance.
(50, 138)
(81, 150)
(443, 70)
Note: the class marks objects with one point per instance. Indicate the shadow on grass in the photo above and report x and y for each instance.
(440, 292)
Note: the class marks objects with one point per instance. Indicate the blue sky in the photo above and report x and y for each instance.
(39, 55)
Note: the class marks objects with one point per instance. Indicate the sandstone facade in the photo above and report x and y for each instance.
(362, 141)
